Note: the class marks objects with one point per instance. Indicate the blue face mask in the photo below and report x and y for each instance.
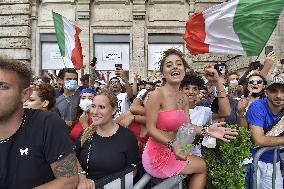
(70, 85)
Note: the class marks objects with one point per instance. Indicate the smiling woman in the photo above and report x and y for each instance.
(105, 147)
(166, 110)
(43, 97)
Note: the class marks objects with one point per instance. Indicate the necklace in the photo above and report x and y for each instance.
(88, 155)
(21, 124)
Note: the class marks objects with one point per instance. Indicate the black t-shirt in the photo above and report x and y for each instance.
(108, 154)
(25, 159)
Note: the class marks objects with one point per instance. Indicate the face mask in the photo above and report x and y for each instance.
(85, 104)
(70, 85)
(234, 81)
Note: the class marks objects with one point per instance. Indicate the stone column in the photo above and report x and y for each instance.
(34, 21)
(138, 64)
(15, 30)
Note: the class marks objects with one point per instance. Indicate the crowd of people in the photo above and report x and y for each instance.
(56, 133)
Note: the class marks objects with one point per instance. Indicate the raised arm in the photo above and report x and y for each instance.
(223, 102)
(268, 63)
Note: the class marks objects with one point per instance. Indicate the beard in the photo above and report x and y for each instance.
(278, 104)
(7, 112)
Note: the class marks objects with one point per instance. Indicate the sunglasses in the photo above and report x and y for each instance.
(114, 82)
(251, 82)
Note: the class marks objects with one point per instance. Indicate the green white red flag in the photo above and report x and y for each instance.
(240, 27)
(68, 40)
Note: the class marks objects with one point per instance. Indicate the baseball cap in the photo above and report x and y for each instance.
(276, 80)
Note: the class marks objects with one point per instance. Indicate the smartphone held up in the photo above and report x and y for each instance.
(268, 49)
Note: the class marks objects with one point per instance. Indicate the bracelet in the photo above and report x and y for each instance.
(82, 173)
(204, 132)
(170, 144)
(134, 118)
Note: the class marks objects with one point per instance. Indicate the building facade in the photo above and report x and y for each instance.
(131, 32)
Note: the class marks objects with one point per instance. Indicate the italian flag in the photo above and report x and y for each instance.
(68, 40)
(240, 27)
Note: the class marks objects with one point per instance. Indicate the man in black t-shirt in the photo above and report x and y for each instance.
(35, 148)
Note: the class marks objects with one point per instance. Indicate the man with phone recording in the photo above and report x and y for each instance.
(115, 84)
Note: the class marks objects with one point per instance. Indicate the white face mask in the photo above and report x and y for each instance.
(85, 104)
(234, 81)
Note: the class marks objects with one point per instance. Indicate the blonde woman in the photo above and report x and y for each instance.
(105, 147)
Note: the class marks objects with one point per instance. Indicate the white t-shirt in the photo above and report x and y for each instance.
(199, 116)
(123, 104)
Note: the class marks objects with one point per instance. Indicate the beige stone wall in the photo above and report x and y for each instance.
(23, 21)
(15, 29)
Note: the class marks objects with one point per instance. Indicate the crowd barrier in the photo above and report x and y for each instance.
(170, 183)
(255, 163)
(119, 180)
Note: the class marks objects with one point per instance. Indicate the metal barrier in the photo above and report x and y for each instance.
(170, 183)
(119, 180)
(255, 163)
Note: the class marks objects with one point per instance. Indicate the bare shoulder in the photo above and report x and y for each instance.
(156, 94)
(65, 167)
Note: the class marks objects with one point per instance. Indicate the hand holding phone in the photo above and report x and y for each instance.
(268, 49)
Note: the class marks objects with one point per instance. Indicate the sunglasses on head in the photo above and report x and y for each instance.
(251, 82)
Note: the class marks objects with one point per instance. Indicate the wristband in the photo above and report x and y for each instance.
(204, 132)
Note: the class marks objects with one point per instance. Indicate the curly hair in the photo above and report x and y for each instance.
(89, 131)
(192, 80)
(46, 92)
(169, 52)
(23, 71)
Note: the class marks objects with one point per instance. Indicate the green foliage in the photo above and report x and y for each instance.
(224, 161)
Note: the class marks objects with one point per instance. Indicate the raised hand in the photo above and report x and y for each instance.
(210, 73)
(242, 105)
(222, 133)
(270, 58)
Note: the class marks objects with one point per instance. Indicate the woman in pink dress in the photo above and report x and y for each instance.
(166, 110)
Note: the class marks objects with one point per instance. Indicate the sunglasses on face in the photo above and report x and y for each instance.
(251, 82)
(114, 82)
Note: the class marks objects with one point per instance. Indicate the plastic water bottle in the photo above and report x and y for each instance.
(184, 138)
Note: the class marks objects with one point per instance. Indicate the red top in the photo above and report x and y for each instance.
(77, 129)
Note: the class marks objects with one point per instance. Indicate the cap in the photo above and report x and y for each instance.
(275, 80)
(88, 90)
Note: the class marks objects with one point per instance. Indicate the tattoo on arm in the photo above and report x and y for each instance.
(66, 167)
(181, 101)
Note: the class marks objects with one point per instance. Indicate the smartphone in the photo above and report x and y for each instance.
(268, 49)
(221, 68)
(118, 66)
(282, 61)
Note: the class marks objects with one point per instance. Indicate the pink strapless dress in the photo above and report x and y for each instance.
(158, 160)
